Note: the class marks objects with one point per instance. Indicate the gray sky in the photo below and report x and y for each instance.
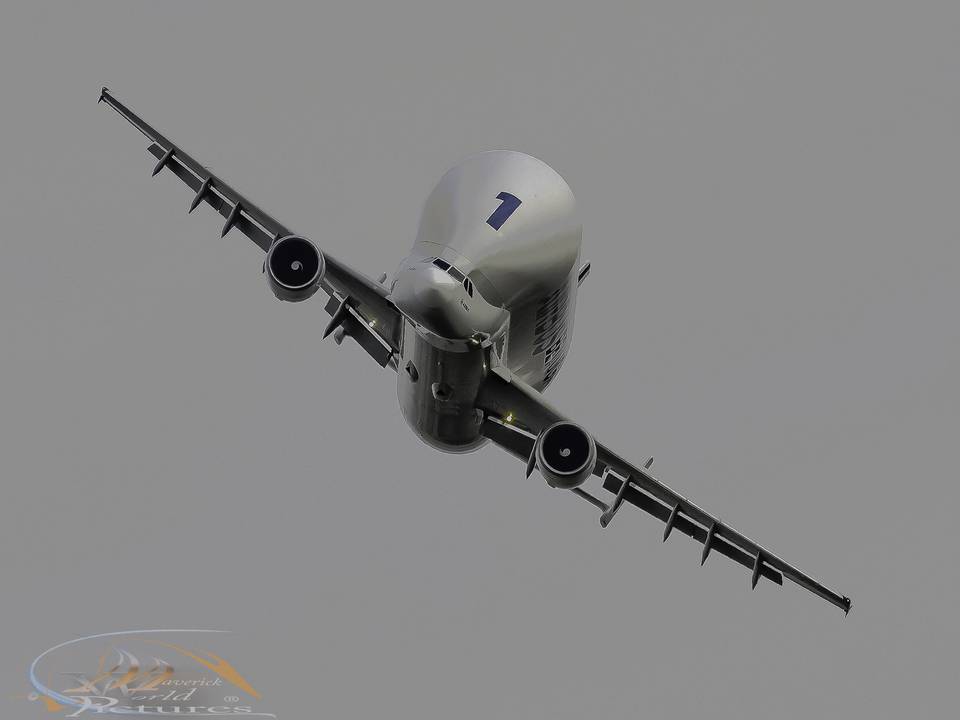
(769, 195)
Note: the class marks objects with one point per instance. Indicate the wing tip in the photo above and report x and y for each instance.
(104, 92)
(847, 604)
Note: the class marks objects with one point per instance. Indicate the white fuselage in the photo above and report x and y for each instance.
(491, 279)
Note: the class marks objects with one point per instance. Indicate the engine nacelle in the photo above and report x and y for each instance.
(566, 455)
(294, 268)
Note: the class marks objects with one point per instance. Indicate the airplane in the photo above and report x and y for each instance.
(476, 322)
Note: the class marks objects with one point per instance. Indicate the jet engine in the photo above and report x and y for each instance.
(294, 267)
(565, 454)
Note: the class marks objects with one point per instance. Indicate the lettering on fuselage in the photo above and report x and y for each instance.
(550, 332)
(508, 203)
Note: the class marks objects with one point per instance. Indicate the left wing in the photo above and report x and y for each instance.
(357, 304)
(516, 415)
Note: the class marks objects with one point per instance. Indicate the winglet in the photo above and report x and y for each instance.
(103, 92)
(847, 605)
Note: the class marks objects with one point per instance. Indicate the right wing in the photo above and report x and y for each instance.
(357, 303)
(516, 414)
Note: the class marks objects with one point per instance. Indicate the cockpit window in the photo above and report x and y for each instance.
(452, 272)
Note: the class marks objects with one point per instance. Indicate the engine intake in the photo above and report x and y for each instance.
(294, 268)
(566, 455)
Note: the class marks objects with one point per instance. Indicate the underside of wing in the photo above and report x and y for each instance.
(359, 305)
(518, 420)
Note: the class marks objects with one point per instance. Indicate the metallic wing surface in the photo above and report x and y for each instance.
(517, 417)
(358, 305)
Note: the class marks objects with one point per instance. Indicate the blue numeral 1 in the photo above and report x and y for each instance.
(508, 204)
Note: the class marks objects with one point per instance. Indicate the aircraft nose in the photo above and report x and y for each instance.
(432, 298)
